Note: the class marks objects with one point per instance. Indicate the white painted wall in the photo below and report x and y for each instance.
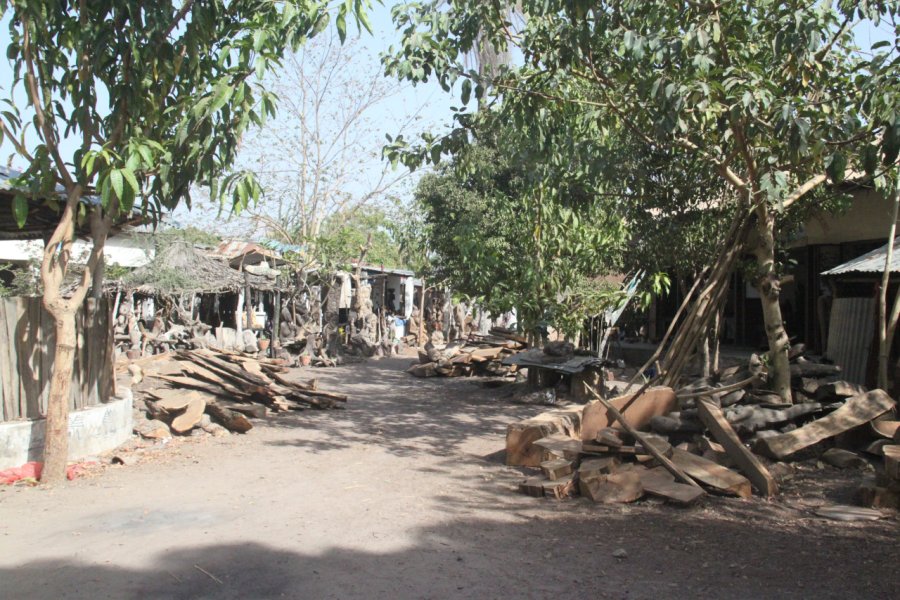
(124, 250)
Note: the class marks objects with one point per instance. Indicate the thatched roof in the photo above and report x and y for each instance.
(180, 268)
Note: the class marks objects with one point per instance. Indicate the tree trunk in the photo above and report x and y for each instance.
(884, 328)
(56, 440)
(769, 287)
(420, 336)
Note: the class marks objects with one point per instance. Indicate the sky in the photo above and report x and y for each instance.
(427, 101)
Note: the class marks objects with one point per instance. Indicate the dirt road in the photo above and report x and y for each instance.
(400, 497)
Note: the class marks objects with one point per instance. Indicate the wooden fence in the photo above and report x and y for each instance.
(27, 348)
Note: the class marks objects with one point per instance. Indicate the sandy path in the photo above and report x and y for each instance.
(398, 497)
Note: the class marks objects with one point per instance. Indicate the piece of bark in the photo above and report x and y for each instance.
(191, 415)
(749, 419)
(671, 424)
(564, 487)
(614, 488)
(653, 402)
(804, 368)
(889, 430)
(660, 444)
(712, 474)
(892, 461)
(659, 482)
(423, 370)
(520, 436)
(153, 430)
(533, 486)
(838, 390)
(609, 437)
(749, 464)
(557, 468)
(855, 412)
(229, 419)
(559, 445)
(843, 459)
(250, 409)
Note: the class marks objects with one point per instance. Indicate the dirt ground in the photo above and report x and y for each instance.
(404, 495)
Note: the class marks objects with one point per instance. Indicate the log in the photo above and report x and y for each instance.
(249, 409)
(721, 430)
(661, 483)
(191, 415)
(614, 488)
(229, 419)
(750, 419)
(520, 436)
(889, 430)
(843, 459)
(855, 412)
(655, 401)
(712, 474)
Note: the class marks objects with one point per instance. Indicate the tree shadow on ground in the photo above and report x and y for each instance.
(402, 414)
(521, 557)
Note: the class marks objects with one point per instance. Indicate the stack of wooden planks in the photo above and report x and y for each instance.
(716, 436)
(477, 355)
(218, 391)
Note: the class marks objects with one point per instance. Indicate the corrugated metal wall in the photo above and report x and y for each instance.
(850, 332)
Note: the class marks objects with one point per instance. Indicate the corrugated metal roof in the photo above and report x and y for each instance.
(870, 262)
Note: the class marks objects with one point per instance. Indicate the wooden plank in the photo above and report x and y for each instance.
(626, 424)
(750, 465)
(857, 411)
(27, 346)
(653, 402)
(13, 315)
(659, 482)
(557, 469)
(559, 445)
(712, 474)
(9, 410)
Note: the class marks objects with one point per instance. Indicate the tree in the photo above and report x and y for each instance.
(319, 162)
(774, 97)
(155, 96)
(504, 229)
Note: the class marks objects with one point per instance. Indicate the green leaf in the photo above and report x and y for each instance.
(221, 95)
(117, 181)
(20, 210)
(132, 180)
(466, 91)
(837, 166)
(341, 24)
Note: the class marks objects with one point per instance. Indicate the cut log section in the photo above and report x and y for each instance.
(653, 402)
(614, 488)
(191, 416)
(855, 412)
(229, 419)
(520, 437)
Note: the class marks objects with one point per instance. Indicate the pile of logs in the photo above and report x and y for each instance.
(477, 355)
(718, 436)
(219, 392)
